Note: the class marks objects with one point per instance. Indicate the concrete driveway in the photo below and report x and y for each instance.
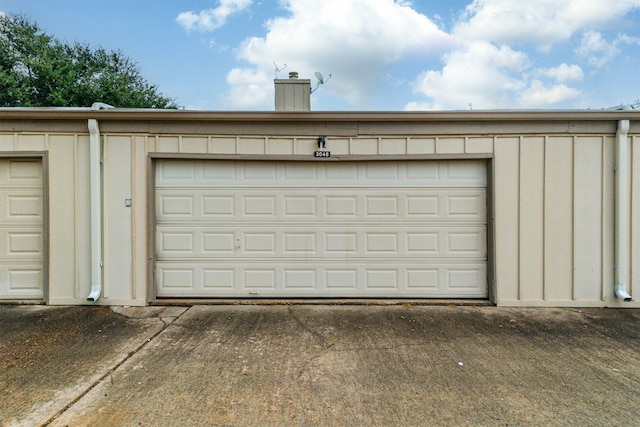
(318, 365)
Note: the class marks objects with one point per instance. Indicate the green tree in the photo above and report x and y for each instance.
(38, 70)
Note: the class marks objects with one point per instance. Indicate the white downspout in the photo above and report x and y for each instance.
(622, 211)
(96, 210)
(95, 170)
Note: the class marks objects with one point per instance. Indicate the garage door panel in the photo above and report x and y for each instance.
(463, 172)
(465, 206)
(20, 242)
(21, 229)
(386, 205)
(179, 277)
(257, 205)
(280, 229)
(177, 206)
(327, 241)
(327, 279)
(21, 280)
(223, 173)
(218, 206)
(21, 204)
(20, 173)
(464, 277)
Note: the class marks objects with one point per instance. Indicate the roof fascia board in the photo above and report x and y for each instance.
(336, 116)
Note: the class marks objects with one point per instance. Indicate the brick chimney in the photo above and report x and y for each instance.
(293, 94)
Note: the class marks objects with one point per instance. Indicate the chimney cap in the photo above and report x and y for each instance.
(293, 75)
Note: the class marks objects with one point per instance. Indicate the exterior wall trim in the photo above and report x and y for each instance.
(307, 158)
(151, 198)
(150, 115)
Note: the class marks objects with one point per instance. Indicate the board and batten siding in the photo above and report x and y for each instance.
(68, 209)
(552, 203)
(554, 220)
(68, 219)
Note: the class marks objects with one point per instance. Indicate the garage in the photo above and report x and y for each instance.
(339, 229)
(21, 229)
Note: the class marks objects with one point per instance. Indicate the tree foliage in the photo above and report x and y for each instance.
(36, 69)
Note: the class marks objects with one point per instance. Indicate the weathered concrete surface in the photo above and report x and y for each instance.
(331, 365)
(51, 355)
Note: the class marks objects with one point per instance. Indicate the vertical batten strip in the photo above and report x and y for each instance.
(134, 229)
(106, 229)
(76, 207)
(545, 174)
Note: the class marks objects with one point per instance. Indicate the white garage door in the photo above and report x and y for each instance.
(320, 229)
(21, 229)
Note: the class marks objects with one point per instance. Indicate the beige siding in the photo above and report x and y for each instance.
(553, 201)
(117, 231)
(531, 220)
(68, 216)
(553, 196)
(558, 219)
(75, 292)
(588, 165)
(507, 218)
(139, 203)
(366, 146)
(607, 223)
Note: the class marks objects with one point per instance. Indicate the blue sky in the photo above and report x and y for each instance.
(381, 54)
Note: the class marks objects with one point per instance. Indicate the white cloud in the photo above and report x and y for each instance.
(596, 49)
(563, 72)
(487, 58)
(482, 75)
(210, 19)
(493, 70)
(352, 39)
(623, 38)
(487, 77)
(539, 95)
(249, 89)
(540, 22)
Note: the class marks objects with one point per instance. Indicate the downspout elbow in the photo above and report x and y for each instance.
(621, 292)
(101, 106)
(96, 292)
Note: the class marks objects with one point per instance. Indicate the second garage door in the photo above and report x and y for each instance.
(412, 229)
(21, 229)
